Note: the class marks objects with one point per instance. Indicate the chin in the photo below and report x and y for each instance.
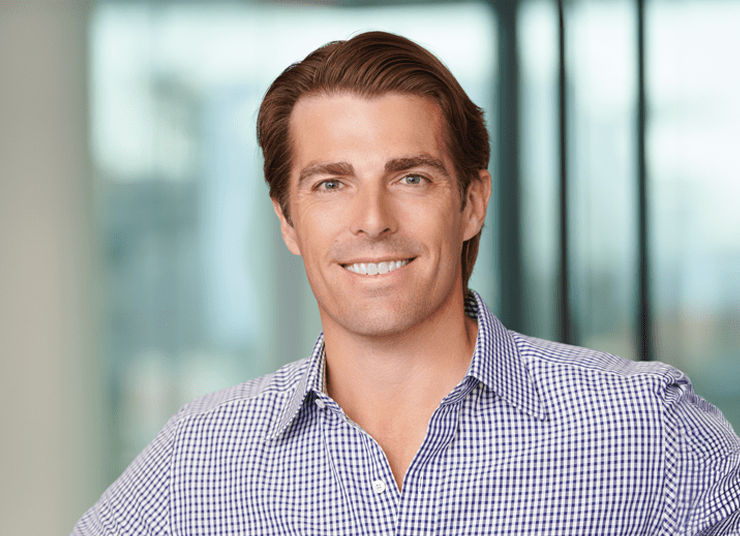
(382, 328)
(376, 323)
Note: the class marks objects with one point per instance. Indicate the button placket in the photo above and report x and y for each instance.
(367, 485)
(379, 486)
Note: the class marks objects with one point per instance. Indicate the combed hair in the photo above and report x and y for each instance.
(370, 65)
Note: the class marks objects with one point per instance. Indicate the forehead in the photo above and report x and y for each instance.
(340, 126)
(342, 101)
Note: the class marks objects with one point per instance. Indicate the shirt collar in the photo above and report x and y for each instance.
(311, 381)
(496, 363)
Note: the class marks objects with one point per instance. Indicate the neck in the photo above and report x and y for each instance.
(373, 378)
(390, 385)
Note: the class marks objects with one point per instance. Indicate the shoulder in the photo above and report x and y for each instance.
(190, 446)
(644, 392)
(578, 384)
(649, 412)
(277, 383)
(262, 397)
(547, 358)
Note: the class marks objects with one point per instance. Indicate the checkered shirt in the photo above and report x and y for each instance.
(538, 438)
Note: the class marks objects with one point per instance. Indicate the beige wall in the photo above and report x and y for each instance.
(50, 392)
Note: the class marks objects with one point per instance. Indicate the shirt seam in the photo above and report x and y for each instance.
(664, 376)
(285, 393)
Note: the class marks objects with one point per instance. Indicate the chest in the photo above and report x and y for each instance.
(483, 468)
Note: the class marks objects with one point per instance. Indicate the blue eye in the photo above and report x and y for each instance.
(412, 179)
(329, 185)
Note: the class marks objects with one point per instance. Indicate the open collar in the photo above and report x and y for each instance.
(496, 363)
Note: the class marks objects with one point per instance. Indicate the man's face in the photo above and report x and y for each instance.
(376, 213)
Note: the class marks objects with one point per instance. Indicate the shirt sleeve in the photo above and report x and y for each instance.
(139, 501)
(702, 466)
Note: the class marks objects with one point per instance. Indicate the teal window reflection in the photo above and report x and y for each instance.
(694, 169)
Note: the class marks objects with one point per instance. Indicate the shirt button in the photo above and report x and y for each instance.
(320, 403)
(378, 486)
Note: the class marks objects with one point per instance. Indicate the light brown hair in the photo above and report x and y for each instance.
(370, 65)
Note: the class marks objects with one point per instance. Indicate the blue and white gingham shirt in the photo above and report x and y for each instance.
(538, 438)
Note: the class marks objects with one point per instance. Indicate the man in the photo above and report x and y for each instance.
(418, 412)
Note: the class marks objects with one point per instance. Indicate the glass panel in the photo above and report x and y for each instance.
(200, 291)
(540, 162)
(602, 69)
(693, 139)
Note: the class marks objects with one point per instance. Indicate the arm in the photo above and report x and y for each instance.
(702, 466)
(139, 501)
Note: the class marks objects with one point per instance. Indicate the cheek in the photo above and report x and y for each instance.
(451, 238)
(315, 231)
(441, 222)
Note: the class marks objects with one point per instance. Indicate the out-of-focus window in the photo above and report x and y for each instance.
(538, 59)
(601, 45)
(693, 83)
(601, 102)
(200, 291)
(693, 174)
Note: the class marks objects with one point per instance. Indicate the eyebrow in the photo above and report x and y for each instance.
(421, 160)
(325, 168)
(392, 166)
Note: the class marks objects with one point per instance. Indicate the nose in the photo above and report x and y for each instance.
(372, 212)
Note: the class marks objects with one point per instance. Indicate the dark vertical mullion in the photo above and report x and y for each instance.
(509, 225)
(564, 313)
(644, 324)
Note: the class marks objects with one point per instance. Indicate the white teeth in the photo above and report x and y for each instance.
(372, 268)
(358, 268)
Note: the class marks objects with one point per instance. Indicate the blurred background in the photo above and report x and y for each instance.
(141, 264)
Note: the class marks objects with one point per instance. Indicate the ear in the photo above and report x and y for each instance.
(479, 192)
(286, 229)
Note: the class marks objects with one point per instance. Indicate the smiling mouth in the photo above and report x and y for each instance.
(372, 268)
